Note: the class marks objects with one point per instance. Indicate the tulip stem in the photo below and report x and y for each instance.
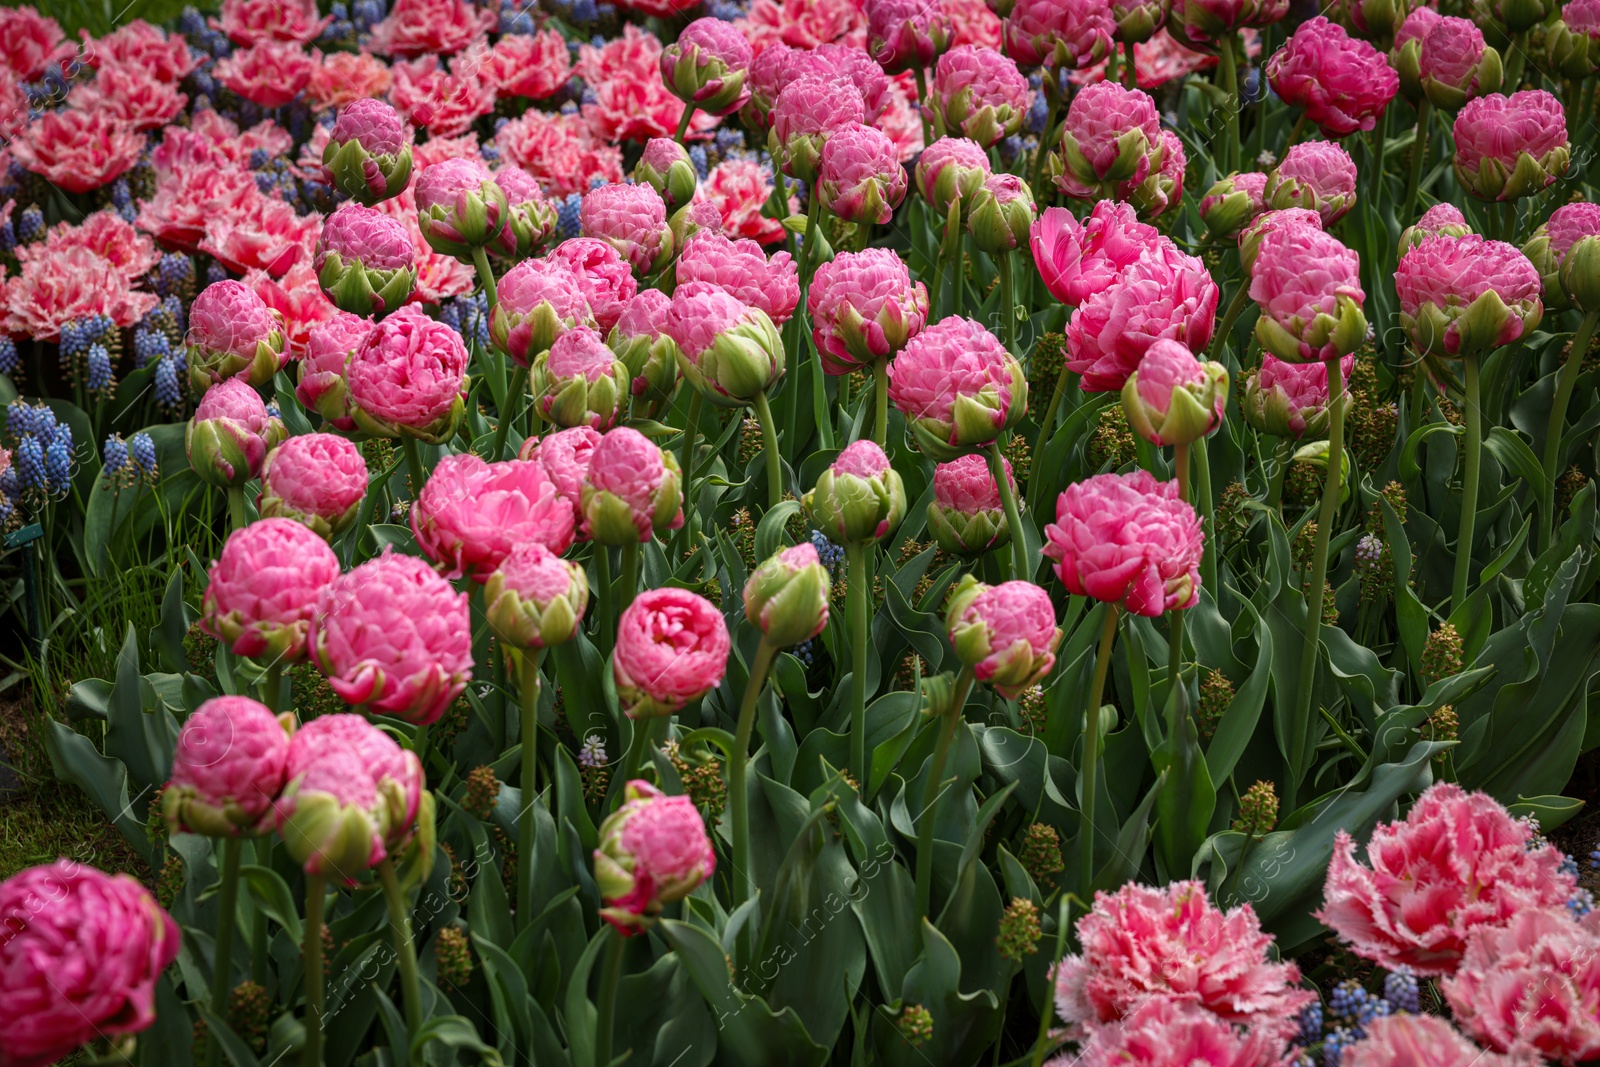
(272, 686)
(1419, 152)
(1298, 131)
(1230, 86)
(683, 124)
(480, 259)
(858, 601)
(931, 790)
(1283, 457)
(408, 445)
(1052, 99)
(630, 574)
(1235, 307)
(222, 963)
(769, 445)
(405, 950)
(605, 627)
(1048, 424)
(606, 1014)
(1206, 507)
(1130, 73)
(1180, 466)
(743, 874)
(1008, 304)
(819, 391)
(950, 260)
(922, 102)
(1558, 421)
(1318, 578)
(1089, 778)
(260, 961)
(638, 746)
(316, 890)
(880, 396)
(528, 696)
(508, 412)
(691, 431)
(1008, 496)
(237, 515)
(1473, 414)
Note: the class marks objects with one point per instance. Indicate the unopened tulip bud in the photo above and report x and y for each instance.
(787, 596)
(530, 218)
(233, 333)
(1291, 399)
(536, 599)
(230, 434)
(1574, 236)
(579, 382)
(728, 351)
(631, 489)
(951, 169)
(966, 515)
(1233, 203)
(860, 498)
(1318, 175)
(653, 851)
(707, 65)
(665, 167)
(459, 207)
(365, 261)
(1002, 215)
(368, 154)
(1571, 53)
(1173, 398)
(1006, 633)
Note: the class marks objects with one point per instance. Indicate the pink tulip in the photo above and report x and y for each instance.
(233, 333)
(1110, 135)
(1163, 186)
(603, 275)
(1290, 399)
(1314, 174)
(373, 124)
(407, 376)
(392, 635)
(1063, 34)
(80, 151)
(1531, 985)
(530, 218)
(1438, 219)
(317, 479)
(1173, 398)
(329, 345)
(742, 269)
(80, 959)
(653, 851)
(565, 458)
(957, 386)
(471, 514)
(1409, 1040)
(1457, 862)
(707, 65)
(1454, 64)
(786, 596)
(1006, 633)
(365, 260)
(1233, 203)
(864, 307)
(1170, 1032)
(262, 591)
(906, 34)
(332, 815)
(1172, 942)
(951, 169)
(672, 648)
(1267, 222)
(378, 755)
(1511, 146)
(633, 220)
(1342, 83)
(1308, 285)
(536, 599)
(967, 516)
(230, 434)
(980, 94)
(1201, 23)
(1078, 260)
(1464, 296)
(540, 299)
(861, 179)
(1127, 539)
(805, 114)
(580, 381)
(631, 489)
(728, 351)
(1166, 294)
(227, 768)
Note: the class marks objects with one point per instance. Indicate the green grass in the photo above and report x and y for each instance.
(45, 819)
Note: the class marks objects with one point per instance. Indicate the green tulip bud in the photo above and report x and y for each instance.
(535, 599)
(1002, 214)
(787, 596)
(860, 498)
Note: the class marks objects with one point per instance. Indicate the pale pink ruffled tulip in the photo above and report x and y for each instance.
(605, 278)
(471, 514)
(1129, 540)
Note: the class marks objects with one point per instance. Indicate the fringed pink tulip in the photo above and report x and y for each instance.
(1456, 863)
(1410, 1040)
(1169, 1032)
